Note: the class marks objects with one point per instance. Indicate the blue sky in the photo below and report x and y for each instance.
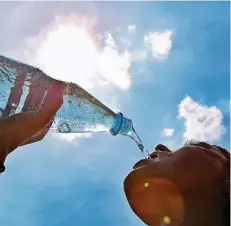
(174, 85)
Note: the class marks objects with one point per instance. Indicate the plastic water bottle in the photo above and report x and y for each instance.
(79, 113)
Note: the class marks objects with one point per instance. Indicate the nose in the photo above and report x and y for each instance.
(161, 147)
(160, 150)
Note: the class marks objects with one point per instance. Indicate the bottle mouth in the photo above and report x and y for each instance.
(122, 125)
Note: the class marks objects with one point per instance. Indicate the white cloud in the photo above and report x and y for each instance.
(160, 43)
(138, 55)
(168, 132)
(132, 28)
(71, 136)
(126, 42)
(67, 49)
(201, 122)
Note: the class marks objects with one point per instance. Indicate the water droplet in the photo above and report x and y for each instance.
(64, 128)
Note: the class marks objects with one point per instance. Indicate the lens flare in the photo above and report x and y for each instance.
(146, 185)
(166, 220)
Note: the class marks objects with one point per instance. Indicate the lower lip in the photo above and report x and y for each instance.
(144, 162)
(141, 163)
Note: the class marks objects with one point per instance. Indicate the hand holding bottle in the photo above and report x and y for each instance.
(31, 126)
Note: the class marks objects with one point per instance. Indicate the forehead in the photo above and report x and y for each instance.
(222, 152)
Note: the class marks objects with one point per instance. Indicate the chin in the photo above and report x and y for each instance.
(126, 183)
(133, 177)
(153, 196)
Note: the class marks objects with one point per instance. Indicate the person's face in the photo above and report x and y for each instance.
(158, 188)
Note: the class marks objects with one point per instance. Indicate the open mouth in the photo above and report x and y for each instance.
(144, 162)
(153, 155)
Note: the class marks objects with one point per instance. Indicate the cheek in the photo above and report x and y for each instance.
(197, 170)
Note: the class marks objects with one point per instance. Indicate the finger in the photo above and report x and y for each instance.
(17, 128)
(40, 93)
(39, 136)
(34, 86)
(15, 94)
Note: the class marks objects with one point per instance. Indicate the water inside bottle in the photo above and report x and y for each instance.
(139, 143)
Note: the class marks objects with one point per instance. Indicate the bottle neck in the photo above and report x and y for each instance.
(122, 125)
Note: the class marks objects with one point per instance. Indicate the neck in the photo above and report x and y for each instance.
(203, 210)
